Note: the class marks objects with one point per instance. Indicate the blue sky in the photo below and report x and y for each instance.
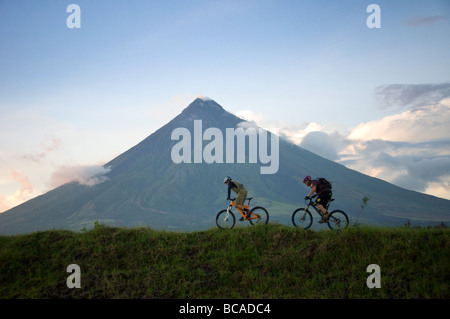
(72, 99)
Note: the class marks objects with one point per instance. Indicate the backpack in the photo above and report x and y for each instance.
(324, 183)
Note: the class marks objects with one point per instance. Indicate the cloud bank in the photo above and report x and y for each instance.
(411, 95)
(89, 175)
(410, 149)
(418, 124)
(427, 21)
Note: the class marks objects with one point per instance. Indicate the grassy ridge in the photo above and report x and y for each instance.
(270, 261)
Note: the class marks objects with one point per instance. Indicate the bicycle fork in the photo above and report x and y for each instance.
(228, 214)
(304, 212)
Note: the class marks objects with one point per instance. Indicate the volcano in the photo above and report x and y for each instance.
(145, 186)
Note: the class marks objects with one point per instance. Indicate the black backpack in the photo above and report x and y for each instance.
(325, 184)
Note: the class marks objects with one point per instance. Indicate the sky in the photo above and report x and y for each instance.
(375, 99)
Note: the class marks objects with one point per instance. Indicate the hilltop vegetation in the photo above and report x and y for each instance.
(272, 261)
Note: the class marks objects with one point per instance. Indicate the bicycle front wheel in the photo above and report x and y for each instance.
(259, 215)
(225, 219)
(302, 218)
(338, 220)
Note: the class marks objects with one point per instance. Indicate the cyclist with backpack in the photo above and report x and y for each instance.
(323, 190)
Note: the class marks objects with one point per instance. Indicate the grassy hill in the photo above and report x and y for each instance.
(272, 261)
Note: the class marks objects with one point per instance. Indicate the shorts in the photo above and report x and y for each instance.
(324, 198)
(240, 197)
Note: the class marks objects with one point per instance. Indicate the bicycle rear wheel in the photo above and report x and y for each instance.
(225, 219)
(261, 214)
(338, 220)
(302, 218)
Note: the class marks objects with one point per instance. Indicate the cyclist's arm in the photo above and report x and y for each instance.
(313, 189)
(230, 185)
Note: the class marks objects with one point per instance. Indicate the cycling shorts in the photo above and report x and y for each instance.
(240, 197)
(324, 197)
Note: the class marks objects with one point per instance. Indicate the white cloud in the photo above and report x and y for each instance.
(251, 116)
(21, 193)
(292, 132)
(88, 175)
(410, 149)
(322, 144)
(439, 189)
(415, 125)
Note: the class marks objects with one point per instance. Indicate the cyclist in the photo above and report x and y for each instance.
(241, 193)
(324, 193)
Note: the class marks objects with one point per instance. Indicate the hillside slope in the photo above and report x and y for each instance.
(146, 188)
(272, 261)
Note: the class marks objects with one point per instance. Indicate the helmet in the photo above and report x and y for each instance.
(228, 178)
(306, 179)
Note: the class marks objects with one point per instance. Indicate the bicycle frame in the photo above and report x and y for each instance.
(311, 204)
(243, 215)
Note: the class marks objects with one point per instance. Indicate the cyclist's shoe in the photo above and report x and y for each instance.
(324, 218)
(247, 213)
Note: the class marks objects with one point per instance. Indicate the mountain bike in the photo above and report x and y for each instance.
(336, 220)
(225, 219)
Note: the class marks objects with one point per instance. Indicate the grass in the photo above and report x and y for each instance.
(271, 261)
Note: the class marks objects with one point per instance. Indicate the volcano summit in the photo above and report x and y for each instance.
(145, 186)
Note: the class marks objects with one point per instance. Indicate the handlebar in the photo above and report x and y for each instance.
(309, 199)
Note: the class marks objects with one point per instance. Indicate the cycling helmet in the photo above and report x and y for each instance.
(228, 178)
(306, 179)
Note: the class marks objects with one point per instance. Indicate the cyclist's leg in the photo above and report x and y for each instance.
(322, 208)
(240, 199)
(322, 202)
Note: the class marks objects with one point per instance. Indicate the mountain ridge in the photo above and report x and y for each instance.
(146, 188)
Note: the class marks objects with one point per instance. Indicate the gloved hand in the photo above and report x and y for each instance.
(307, 197)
